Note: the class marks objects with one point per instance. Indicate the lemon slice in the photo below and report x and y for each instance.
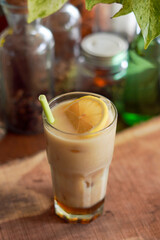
(87, 114)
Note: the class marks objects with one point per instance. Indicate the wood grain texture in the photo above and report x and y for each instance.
(132, 206)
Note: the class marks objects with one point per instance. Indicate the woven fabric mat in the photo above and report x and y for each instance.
(132, 206)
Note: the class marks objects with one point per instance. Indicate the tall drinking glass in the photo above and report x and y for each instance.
(79, 164)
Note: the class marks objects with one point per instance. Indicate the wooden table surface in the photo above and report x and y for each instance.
(132, 206)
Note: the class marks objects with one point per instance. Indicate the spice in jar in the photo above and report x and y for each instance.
(26, 53)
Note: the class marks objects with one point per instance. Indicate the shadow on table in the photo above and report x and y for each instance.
(14, 146)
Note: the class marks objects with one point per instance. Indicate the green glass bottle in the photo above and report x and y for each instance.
(141, 98)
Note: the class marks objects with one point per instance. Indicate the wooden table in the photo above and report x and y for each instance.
(132, 207)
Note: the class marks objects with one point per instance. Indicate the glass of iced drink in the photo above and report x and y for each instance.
(80, 146)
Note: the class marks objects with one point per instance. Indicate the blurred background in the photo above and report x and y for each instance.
(75, 50)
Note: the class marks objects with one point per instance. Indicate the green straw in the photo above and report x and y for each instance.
(46, 109)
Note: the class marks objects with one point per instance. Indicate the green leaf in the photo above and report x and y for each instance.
(148, 17)
(43, 8)
(127, 8)
(92, 3)
(146, 13)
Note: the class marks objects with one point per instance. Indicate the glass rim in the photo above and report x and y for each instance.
(12, 6)
(86, 133)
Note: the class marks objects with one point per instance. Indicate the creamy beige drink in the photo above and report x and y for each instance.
(79, 161)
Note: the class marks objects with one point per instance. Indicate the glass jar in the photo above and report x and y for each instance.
(26, 63)
(66, 28)
(102, 66)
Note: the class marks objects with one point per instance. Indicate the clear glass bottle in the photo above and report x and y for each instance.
(26, 64)
(103, 65)
(88, 17)
(66, 28)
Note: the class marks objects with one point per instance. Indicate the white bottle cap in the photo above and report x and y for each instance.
(104, 45)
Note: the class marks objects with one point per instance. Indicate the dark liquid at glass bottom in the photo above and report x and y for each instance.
(79, 215)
